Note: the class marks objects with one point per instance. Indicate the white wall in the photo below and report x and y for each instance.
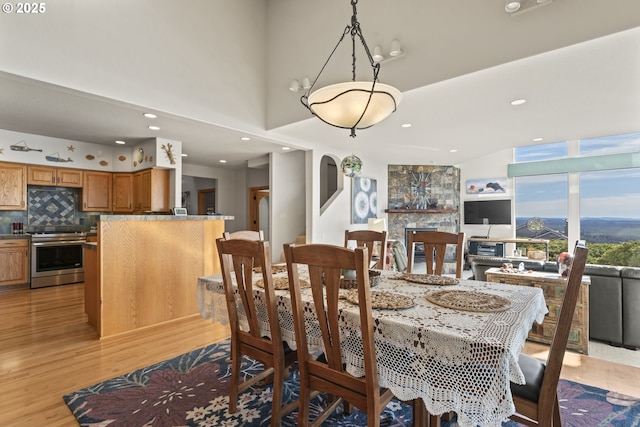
(287, 200)
(231, 192)
(493, 165)
(329, 226)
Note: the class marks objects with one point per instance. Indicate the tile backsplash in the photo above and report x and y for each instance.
(51, 207)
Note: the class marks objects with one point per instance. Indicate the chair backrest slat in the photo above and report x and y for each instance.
(244, 234)
(238, 257)
(436, 242)
(370, 238)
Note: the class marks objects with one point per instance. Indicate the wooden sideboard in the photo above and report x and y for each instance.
(553, 286)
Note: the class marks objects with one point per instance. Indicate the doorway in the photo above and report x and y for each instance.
(259, 210)
(207, 201)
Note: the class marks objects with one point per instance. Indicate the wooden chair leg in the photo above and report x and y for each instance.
(236, 361)
(557, 420)
(419, 413)
(276, 402)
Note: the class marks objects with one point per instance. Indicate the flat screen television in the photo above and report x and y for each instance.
(487, 212)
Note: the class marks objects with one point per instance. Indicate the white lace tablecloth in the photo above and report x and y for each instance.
(454, 360)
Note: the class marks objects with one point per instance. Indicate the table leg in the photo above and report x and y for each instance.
(422, 418)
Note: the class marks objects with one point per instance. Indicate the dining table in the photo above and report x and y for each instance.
(454, 343)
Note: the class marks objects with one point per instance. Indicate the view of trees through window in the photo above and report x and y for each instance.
(609, 207)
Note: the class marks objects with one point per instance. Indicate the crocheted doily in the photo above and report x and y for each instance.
(380, 299)
(429, 279)
(275, 269)
(468, 300)
(282, 283)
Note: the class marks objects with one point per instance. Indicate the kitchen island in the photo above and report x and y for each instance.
(146, 268)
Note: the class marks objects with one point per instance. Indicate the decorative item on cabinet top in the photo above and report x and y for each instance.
(55, 157)
(23, 147)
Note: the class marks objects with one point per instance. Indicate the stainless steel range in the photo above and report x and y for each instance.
(57, 258)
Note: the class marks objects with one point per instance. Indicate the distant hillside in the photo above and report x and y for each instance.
(598, 230)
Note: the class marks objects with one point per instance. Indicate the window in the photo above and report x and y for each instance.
(605, 209)
(628, 143)
(534, 153)
(541, 209)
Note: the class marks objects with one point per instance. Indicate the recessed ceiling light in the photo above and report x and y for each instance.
(406, 125)
(518, 101)
(453, 150)
(150, 115)
(537, 139)
(154, 128)
(184, 154)
(245, 138)
(120, 142)
(223, 161)
(286, 148)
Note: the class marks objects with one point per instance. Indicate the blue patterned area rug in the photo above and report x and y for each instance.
(192, 390)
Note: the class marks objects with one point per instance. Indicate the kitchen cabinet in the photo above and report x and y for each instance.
(46, 175)
(96, 191)
(13, 187)
(151, 190)
(123, 192)
(14, 262)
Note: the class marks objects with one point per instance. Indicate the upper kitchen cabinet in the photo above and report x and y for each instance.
(122, 192)
(45, 175)
(13, 187)
(96, 191)
(151, 190)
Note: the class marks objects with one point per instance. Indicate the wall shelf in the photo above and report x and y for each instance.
(421, 210)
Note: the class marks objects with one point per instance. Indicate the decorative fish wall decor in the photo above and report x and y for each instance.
(55, 157)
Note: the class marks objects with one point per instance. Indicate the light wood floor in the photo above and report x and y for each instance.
(48, 350)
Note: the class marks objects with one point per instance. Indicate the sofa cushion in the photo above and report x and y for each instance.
(631, 307)
(605, 303)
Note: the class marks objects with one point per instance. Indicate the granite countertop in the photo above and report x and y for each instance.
(14, 236)
(165, 217)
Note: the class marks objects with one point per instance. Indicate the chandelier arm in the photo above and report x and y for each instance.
(343, 108)
(305, 96)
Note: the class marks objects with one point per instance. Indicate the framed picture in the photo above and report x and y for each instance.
(487, 186)
(364, 200)
(180, 211)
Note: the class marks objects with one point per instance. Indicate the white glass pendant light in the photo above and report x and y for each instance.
(353, 104)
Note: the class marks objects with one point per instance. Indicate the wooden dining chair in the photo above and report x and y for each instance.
(244, 234)
(238, 257)
(537, 401)
(369, 238)
(435, 246)
(327, 374)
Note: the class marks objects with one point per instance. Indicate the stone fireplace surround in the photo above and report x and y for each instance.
(423, 196)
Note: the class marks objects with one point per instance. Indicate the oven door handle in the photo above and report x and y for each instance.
(66, 243)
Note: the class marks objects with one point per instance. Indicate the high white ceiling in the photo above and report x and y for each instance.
(577, 62)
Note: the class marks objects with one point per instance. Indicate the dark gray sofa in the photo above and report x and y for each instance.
(614, 298)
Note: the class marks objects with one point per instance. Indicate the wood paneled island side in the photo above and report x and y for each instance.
(147, 265)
